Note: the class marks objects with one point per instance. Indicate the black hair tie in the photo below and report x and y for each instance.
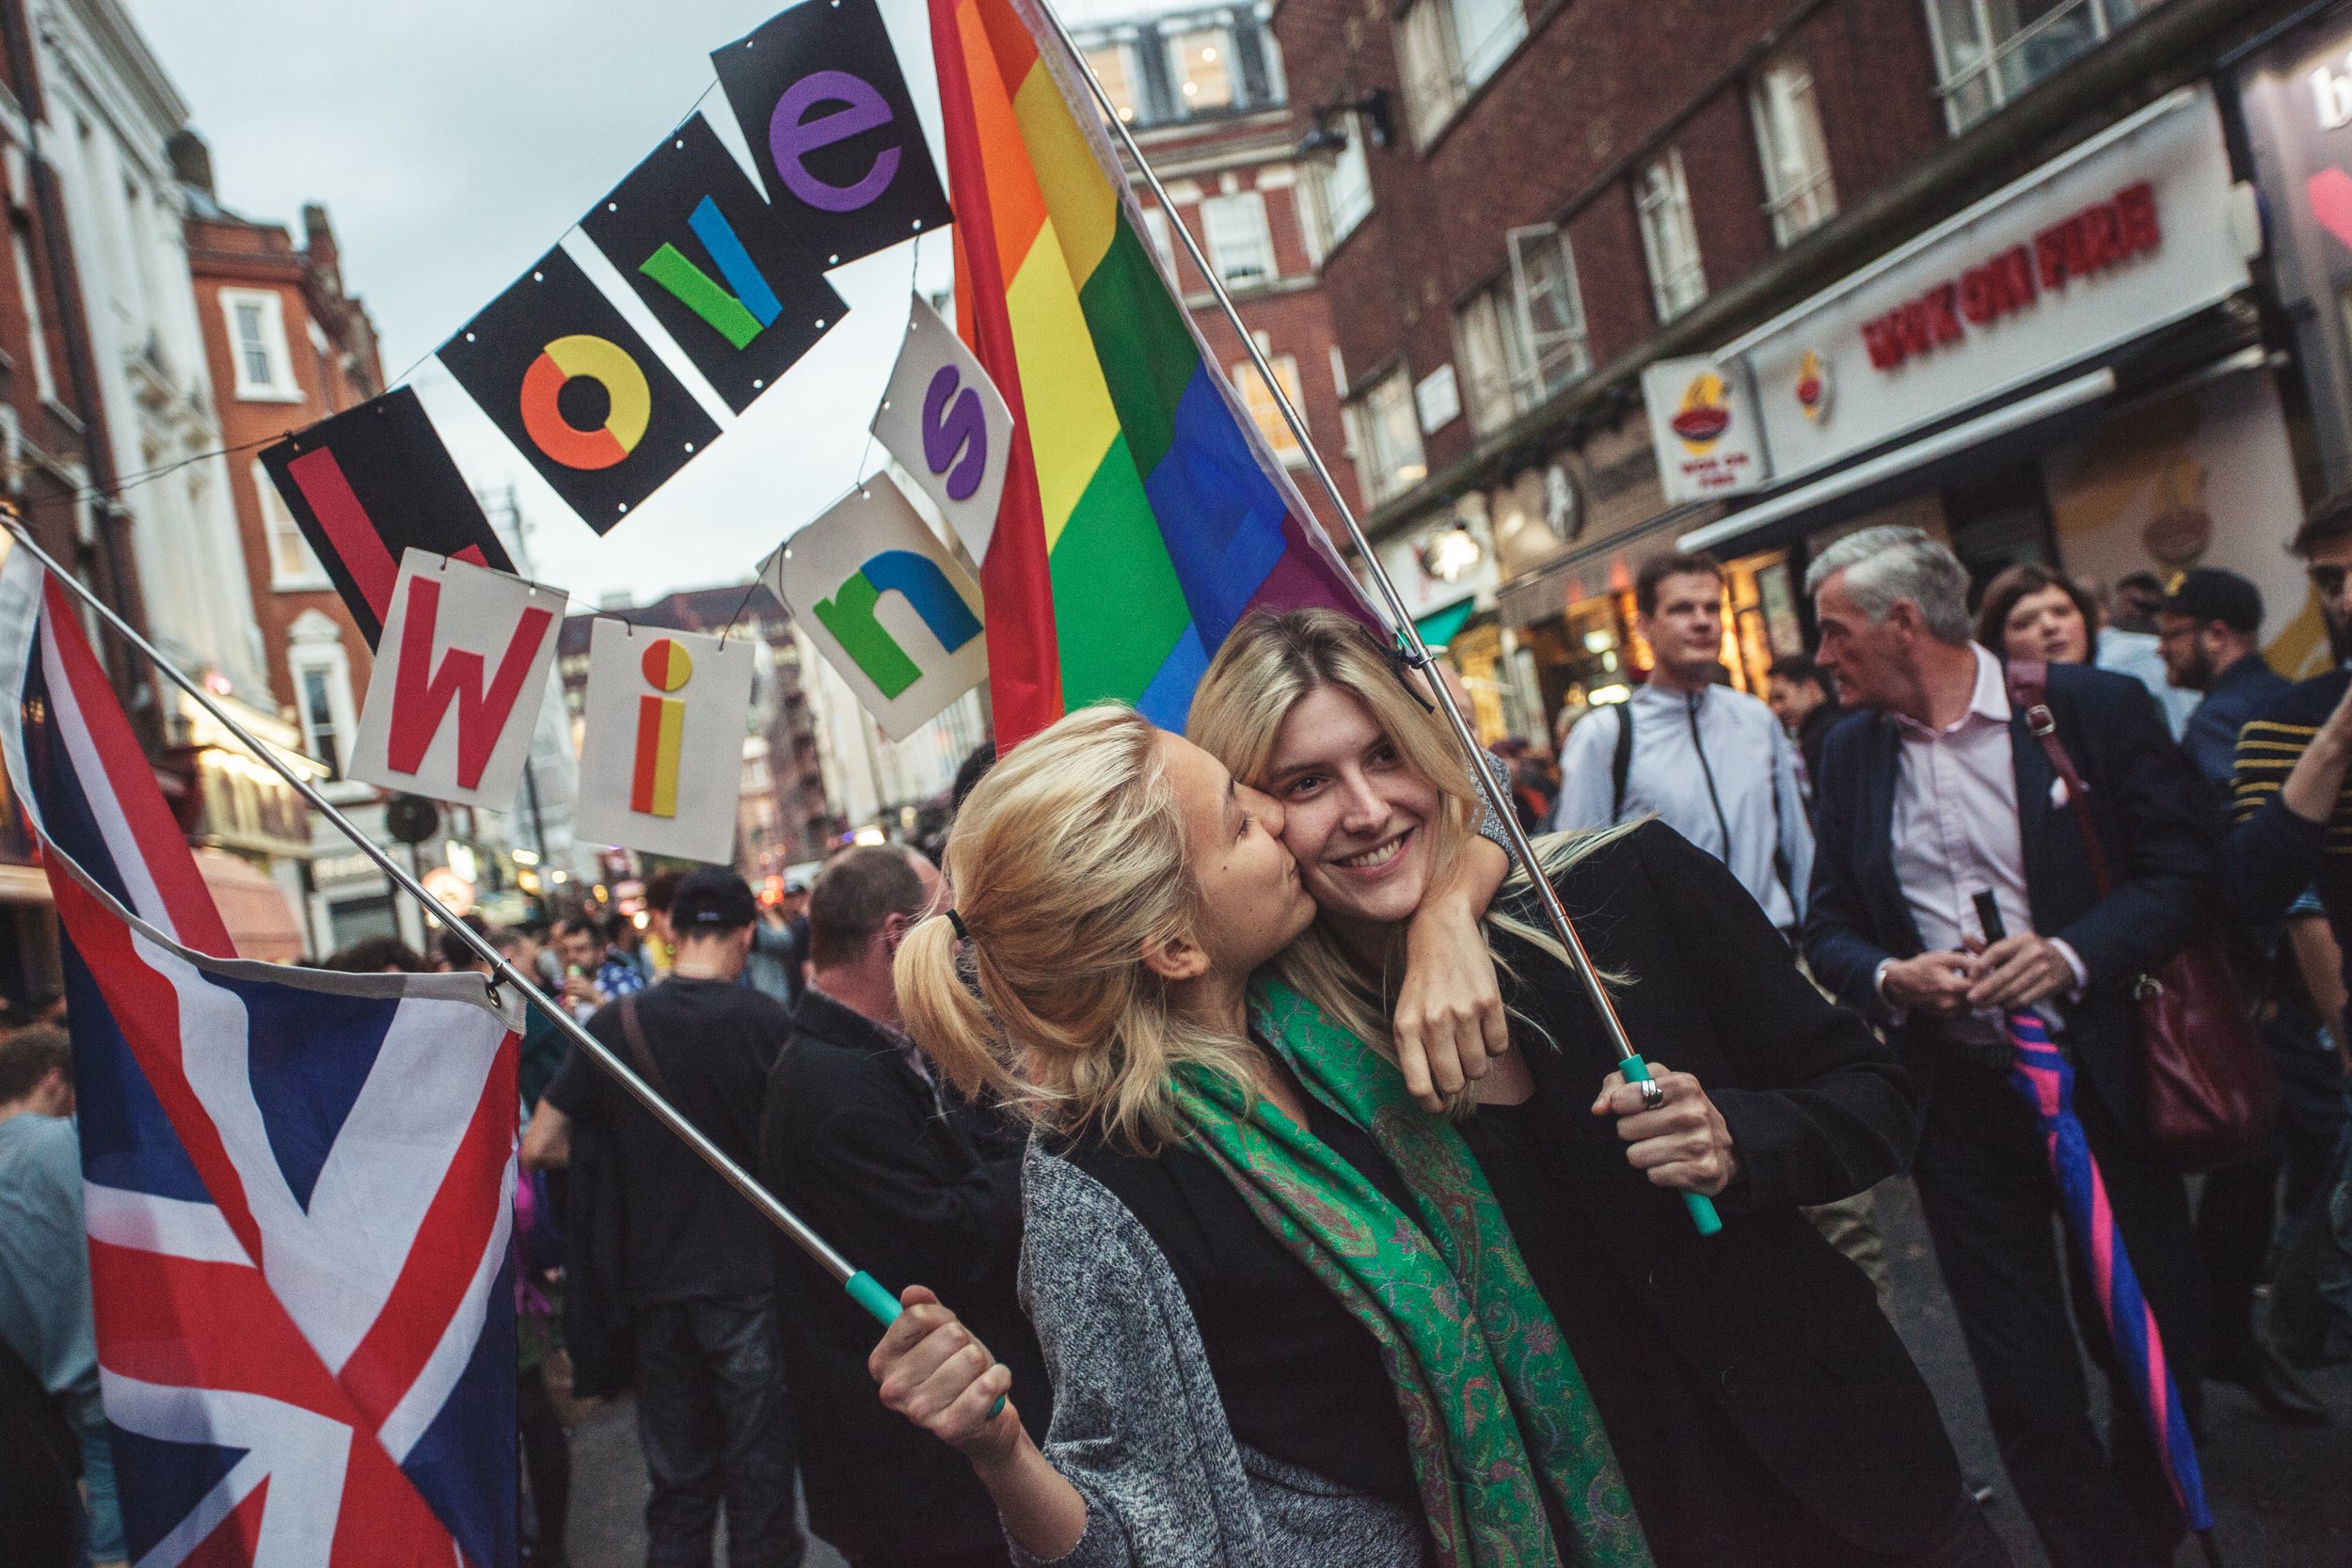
(957, 921)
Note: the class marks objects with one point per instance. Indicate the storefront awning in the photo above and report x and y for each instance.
(261, 924)
(1438, 627)
(1887, 465)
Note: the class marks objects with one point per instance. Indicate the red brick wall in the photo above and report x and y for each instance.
(1592, 82)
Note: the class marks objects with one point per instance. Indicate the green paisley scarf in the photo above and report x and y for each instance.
(1494, 1407)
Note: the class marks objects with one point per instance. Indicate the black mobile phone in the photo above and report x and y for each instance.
(1989, 916)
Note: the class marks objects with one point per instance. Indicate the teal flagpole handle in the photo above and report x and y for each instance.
(1701, 1206)
(867, 1293)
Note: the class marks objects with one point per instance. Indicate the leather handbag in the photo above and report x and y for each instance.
(2212, 1091)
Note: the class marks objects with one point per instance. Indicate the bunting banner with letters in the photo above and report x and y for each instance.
(661, 752)
(944, 422)
(369, 484)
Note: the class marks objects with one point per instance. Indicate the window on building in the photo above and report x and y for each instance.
(1446, 49)
(1240, 245)
(292, 567)
(36, 327)
(1339, 189)
(257, 345)
(1670, 238)
(1266, 412)
(1550, 306)
(1990, 51)
(1799, 192)
(1155, 230)
(1201, 65)
(322, 683)
(1490, 376)
(1385, 429)
(1113, 65)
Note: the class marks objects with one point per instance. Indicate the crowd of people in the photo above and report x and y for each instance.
(1248, 1162)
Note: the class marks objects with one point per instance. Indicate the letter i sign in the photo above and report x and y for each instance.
(661, 756)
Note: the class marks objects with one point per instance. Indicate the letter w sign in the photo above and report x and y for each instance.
(458, 682)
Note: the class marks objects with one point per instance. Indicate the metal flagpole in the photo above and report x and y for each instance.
(868, 1292)
(1408, 634)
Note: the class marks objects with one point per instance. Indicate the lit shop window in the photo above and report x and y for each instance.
(1201, 65)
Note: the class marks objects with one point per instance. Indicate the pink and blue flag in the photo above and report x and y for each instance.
(296, 1185)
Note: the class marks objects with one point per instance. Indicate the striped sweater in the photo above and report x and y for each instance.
(2273, 854)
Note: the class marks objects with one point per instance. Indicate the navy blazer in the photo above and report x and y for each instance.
(2154, 824)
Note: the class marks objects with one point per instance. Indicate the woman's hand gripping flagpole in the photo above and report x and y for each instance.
(862, 1287)
(1410, 647)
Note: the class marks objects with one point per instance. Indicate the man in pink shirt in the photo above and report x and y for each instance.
(1931, 795)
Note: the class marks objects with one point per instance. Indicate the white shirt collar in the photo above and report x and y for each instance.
(1988, 701)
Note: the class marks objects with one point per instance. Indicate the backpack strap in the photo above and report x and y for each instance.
(641, 1055)
(2029, 692)
(1621, 765)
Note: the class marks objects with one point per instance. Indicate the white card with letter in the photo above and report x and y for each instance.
(886, 604)
(661, 754)
(944, 422)
(458, 680)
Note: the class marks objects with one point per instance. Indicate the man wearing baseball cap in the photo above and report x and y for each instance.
(2208, 628)
(695, 1270)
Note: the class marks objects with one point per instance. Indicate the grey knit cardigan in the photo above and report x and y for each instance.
(1138, 1428)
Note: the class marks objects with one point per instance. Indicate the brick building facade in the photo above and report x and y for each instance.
(1560, 198)
(1205, 93)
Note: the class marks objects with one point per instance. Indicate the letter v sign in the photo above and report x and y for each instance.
(423, 694)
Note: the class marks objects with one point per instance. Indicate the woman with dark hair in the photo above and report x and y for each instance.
(2032, 612)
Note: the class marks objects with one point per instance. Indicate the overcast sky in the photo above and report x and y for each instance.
(452, 141)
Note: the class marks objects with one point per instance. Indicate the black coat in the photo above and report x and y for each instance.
(1782, 1330)
(853, 1140)
(2153, 822)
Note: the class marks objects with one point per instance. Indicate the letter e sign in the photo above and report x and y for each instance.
(943, 419)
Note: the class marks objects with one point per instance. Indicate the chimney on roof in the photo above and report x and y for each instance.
(191, 159)
(318, 243)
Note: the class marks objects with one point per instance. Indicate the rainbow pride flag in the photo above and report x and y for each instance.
(1142, 512)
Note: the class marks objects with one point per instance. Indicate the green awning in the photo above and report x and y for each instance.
(1440, 627)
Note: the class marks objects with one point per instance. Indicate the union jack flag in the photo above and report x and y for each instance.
(297, 1185)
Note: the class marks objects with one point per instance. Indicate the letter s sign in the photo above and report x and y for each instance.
(955, 433)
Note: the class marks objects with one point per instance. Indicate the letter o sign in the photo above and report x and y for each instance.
(791, 137)
(629, 396)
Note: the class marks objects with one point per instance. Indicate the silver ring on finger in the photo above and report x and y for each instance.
(1653, 1093)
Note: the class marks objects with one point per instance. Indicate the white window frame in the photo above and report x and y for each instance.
(1491, 385)
(1799, 191)
(1135, 111)
(1340, 195)
(1447, 50)
(270, 322)
(37, 328)
(1265, 411)
(297, 574)
(1385, 428)
(1670, 236)
(1551, 356)
(1172, 41)
(1234, 232)
(1982, 74)
(1156, 222)
(314, 645)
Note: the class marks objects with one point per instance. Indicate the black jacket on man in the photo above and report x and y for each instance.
(856, 1140)
(2148, 806)
(1777, 1328)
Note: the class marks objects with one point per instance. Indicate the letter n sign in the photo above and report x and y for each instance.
(717, 267)
(459, 678)
(943, 419)
(832, 128)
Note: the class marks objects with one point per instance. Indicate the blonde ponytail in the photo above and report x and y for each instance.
(1068, 864)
